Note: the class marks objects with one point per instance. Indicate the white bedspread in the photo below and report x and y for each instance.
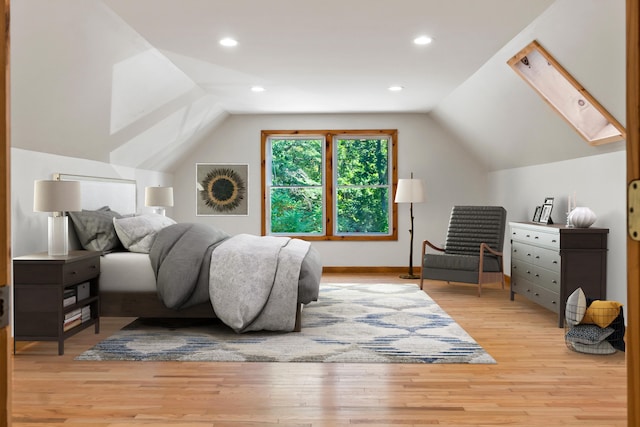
(253, 282)
(126, 272)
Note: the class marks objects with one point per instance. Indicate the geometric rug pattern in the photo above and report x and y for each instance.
(350, 323)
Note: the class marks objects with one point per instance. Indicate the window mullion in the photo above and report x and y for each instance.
(329, 179)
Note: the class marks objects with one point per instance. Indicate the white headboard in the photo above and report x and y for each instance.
(117, 193)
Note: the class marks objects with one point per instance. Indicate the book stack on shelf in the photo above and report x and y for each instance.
(86, 313)
(69, 297)
(74, 295)
(72, 319)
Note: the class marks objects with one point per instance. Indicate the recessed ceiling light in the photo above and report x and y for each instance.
(228, 42)
(257, 89)
(422, 40)
(395, 88)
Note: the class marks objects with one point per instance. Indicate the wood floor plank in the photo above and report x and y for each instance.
(537, 380)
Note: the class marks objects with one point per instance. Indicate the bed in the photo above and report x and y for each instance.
(130, 280)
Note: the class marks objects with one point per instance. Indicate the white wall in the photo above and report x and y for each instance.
(28, 228)
(599, 183)
(451, 175)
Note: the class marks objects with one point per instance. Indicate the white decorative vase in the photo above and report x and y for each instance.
(582, 217)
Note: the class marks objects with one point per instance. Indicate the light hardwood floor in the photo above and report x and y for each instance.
(537, 381)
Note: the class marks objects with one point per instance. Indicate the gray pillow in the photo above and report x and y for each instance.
(137, 233)
(603, 347)
(95, 229)
(588, 334)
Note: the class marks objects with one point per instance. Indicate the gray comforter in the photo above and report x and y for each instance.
(253, 282)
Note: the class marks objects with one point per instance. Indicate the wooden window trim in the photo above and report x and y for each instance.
(329, 135)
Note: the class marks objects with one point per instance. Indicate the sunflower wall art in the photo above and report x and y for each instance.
(222, 189)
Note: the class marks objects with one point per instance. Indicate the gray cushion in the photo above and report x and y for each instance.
(95, 229)
(460, 262)
(603, 347)
(588, 334)
(137, 233)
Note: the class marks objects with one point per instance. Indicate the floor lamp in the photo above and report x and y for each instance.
(410, 191)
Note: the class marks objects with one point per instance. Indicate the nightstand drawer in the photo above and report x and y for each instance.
(80, 270)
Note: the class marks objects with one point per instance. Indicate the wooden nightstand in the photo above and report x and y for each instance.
(50, 291)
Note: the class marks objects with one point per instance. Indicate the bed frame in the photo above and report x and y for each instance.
(121, 196)
(147, 304)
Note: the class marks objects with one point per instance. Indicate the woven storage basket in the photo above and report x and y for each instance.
(597, 333)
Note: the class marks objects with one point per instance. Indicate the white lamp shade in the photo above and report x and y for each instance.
(158, 196)
(410, 191)
(56, 196)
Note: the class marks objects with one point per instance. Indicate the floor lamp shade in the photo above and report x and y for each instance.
(57, 197)
(158, 198)
(410, 191)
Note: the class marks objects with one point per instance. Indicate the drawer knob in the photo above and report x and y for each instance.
(536, 237)
(537, 275)
(554, 282)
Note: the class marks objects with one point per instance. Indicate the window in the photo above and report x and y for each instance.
(329, 185)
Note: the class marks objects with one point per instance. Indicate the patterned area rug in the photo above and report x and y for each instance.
(350, 323)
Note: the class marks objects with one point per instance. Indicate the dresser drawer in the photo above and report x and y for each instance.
(547, 258)
(547, 238)
(80, 270)
(522, 251)
(547, 299)
(547, 279)
(522, 269)
(544, 297)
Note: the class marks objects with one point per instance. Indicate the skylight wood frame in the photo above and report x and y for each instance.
(566, 96)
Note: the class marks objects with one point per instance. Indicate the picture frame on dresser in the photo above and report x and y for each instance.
(545, 215)
(537, 213)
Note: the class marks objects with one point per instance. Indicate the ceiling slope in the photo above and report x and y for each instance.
(138, 83)
(506, 124)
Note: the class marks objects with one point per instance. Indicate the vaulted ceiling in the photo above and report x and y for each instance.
(139, 83)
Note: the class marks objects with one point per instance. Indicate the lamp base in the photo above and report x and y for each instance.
(159, 211)
(409, 276)
(58, 235)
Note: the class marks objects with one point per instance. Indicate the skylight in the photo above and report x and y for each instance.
(565, 95)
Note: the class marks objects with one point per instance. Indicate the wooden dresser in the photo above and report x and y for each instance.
(549, 262)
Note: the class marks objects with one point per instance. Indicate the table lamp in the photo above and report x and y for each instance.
(158, 198)
(57, 197)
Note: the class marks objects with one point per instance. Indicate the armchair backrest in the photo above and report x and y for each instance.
(471, 225)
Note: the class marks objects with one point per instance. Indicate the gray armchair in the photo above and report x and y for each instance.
(473, 248)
